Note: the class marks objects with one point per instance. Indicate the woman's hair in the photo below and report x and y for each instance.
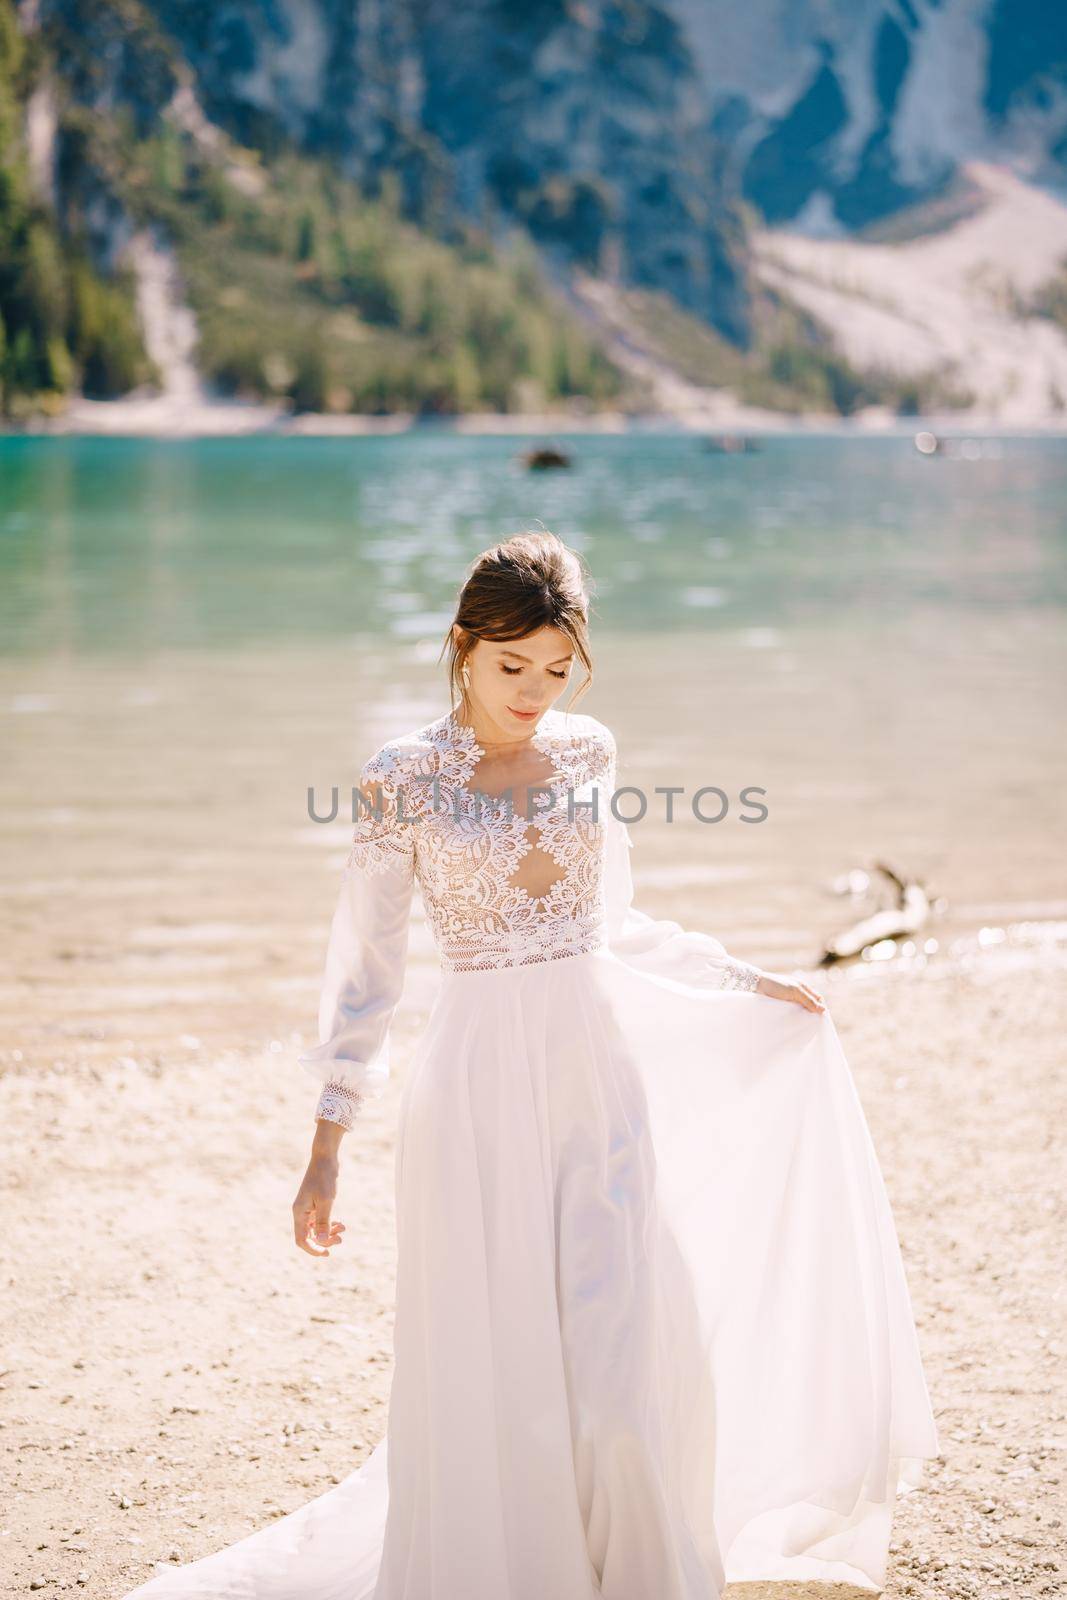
(527, 582)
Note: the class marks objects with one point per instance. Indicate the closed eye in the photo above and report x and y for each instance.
(512, 670)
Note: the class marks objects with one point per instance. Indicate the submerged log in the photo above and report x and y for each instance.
(543, 456)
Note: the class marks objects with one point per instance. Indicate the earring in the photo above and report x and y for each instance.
(465, 674)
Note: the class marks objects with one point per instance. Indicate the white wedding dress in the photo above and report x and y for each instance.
(653, 1331)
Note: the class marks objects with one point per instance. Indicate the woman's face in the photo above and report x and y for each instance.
(513, 682)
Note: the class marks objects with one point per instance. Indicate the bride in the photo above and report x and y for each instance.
(653, 1331)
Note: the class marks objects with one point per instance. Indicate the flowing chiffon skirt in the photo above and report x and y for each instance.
(653, 1331)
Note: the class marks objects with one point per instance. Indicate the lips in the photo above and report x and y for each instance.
(527, 716)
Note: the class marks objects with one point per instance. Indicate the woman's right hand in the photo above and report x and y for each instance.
(780, 988)
(314, 1202)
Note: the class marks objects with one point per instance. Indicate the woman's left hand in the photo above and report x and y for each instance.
(781, 988)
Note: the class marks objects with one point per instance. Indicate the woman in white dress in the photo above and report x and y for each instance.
(653, 1331)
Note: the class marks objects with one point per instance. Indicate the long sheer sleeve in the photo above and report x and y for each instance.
(656, 944)
(365, 955)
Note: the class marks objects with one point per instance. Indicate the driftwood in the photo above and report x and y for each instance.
(537, 459)
(906, 918)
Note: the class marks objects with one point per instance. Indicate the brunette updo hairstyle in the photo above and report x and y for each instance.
(530, 581)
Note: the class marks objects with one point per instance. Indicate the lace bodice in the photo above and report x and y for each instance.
(505, 879)
(535, 873)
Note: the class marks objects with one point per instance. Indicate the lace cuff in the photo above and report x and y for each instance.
(338, 1103)
(740, 975)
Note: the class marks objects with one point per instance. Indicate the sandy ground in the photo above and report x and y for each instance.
(177, 1372)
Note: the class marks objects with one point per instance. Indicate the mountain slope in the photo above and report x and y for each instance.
(300, 289)
(966, 299)
(405, 206)
(584, 123)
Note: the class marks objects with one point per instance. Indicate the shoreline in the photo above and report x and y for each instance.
(167, 419)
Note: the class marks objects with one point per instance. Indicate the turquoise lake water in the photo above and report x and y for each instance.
(130, 545)
(192, 633)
